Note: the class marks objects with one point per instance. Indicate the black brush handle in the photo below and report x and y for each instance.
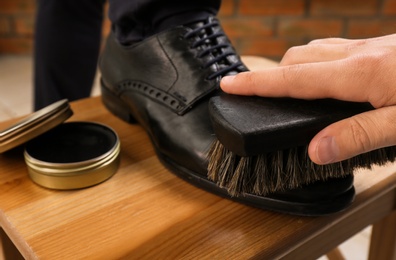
(249, 126)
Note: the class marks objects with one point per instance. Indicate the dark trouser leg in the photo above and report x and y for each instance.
(135, 20)
(67, 42)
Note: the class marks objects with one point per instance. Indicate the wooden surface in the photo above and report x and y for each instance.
(144, 211)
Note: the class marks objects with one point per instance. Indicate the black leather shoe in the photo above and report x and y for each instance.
(165, 82)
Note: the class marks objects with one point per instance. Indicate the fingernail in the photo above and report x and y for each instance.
(227, 79)
(327, 150)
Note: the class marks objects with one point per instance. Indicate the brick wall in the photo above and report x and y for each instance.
(256, 27)
(16, 26)
(270, 27)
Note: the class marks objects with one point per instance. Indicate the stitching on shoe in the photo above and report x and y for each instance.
(169, 60)
(158, 95)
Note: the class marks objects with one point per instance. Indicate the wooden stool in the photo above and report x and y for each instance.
(146, 212)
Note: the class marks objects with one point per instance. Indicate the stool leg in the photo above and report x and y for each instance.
(7, 248)
(335, 254)
(383, 239)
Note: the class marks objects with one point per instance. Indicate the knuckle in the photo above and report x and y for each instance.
(361, 62)
(293, 71)
(388, 127)
(353, 45)
(360, 137)
(329, 40)
(379, 66)
(289, 56)
(368, 69)
(382, 98)
(293, 76)
(247, 77)
(292, 50)
(249, 81)
(317, 41)
(323, 41)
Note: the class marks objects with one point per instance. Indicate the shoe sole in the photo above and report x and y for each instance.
(318, 208)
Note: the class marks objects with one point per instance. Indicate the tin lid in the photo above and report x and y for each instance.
(73, 155)
(34, 125)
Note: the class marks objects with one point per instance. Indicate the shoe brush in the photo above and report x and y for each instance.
(262, 143)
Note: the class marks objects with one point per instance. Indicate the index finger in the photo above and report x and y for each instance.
(340, 79)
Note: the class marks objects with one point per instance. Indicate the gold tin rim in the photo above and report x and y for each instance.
(34, 125)
(75, 175)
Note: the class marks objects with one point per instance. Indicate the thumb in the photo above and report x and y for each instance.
(355, 135)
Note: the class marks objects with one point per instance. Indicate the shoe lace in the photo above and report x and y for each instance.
(208, 39)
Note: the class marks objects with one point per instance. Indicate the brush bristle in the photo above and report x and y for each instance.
(281, 170)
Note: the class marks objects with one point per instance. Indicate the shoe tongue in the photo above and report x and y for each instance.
(195, 25)
(199, 22)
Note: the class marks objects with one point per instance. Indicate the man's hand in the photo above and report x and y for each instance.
(350, 70)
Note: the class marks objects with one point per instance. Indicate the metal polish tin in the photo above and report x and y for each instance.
(34, 125)
(71, 155)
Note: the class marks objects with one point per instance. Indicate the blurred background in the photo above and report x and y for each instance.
(256, 27)
(264, 28)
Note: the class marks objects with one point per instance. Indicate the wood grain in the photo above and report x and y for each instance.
(146, 212)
